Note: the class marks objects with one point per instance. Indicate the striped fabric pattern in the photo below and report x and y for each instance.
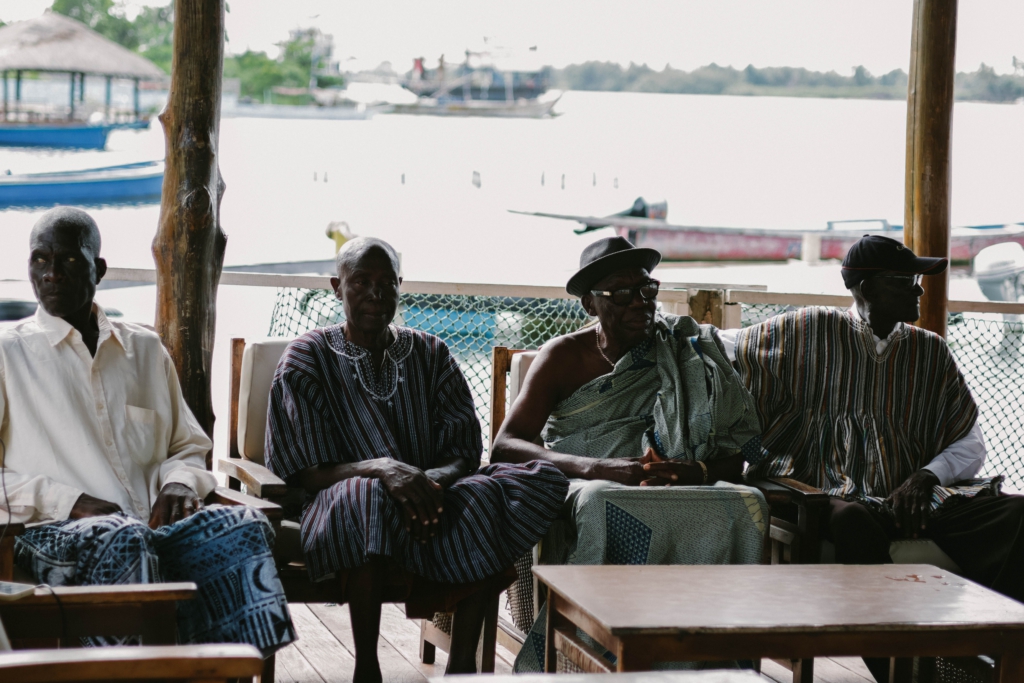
(329, 405)
(839, 416)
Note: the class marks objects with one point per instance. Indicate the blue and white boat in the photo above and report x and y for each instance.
(63, 135)
(138, 183)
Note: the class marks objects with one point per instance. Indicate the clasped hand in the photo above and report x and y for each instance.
(911, 502)
(175, 502)
(421, 498)
(650, 470)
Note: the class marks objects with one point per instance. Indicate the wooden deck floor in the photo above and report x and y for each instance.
(325, 653)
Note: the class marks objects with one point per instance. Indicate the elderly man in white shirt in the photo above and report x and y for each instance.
(105, 463)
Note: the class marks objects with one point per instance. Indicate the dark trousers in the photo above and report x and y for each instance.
(983, 535)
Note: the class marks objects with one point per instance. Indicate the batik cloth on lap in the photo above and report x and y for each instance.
(678, 394)
(225, 551)
(844, 418)
(329, 405)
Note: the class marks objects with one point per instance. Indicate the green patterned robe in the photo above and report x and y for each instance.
(678, 394)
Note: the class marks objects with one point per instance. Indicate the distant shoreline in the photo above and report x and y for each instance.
(983, 85)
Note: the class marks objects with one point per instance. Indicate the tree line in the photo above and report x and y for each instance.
(983, 85)
(149, 33)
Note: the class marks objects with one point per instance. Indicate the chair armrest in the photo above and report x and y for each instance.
(7, 530)
(131, 593)
(173, 662)
(7, 533)
(224, 496)
(258, 480)
(785, 490)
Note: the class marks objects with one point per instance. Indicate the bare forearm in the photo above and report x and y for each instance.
(451, 470)
(509, 449)
(316, 479)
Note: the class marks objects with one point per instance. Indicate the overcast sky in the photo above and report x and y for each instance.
(817, 34)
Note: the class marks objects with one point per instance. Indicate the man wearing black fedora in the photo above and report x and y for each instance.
(639, 399)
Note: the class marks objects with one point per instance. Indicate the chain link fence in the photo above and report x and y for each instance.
(470, 325)
(988, 348)
(989, 351)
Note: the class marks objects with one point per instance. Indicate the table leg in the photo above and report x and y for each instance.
(803, 671)
(1010, 667)
(554, 621)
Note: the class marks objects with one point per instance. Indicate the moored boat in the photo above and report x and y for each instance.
(645, 226)
(136, 183)
(73, 135)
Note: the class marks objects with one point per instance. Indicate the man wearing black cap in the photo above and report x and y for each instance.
(875, 412)
(639, 399)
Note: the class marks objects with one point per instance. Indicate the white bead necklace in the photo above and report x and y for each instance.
(597, 330)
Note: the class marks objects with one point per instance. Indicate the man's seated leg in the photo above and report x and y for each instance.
(859, 534)
(226, 552)
(984, 535)
(106, 550)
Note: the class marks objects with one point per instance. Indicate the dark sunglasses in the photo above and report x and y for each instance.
(624, 297)
(906, 281)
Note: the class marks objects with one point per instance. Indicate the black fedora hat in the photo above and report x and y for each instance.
(604, 257)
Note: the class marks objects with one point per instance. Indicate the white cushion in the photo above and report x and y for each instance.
(259, 362)
(905, 551)
(521, 363)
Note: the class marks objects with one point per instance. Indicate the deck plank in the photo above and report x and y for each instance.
(826, 670)
(331, 660)
(404, 635)
(292, 667)
(395, 668)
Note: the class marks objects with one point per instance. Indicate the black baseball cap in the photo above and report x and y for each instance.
(874, 253)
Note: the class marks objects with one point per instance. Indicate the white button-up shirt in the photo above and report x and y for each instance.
(114, 426)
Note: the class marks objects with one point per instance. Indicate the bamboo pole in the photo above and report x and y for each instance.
(189, 244)
(929, 139)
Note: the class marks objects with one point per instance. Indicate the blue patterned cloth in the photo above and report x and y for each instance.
(225, 551)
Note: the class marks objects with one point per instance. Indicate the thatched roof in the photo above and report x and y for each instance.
(54, 42)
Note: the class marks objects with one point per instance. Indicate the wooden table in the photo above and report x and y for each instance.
(147, 610)
(717, 676)
(650, 614)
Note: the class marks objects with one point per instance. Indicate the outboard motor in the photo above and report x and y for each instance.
(999, 270)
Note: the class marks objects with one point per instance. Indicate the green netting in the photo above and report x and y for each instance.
(470, 325)
(990, 354)
(989, 349)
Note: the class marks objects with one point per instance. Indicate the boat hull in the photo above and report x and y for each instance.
(60, 136)
(717, 244)
(128, 184)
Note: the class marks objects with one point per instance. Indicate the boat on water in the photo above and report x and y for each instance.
(527, 109)
(646, 225)
(71, 135)
(138, 183)
(308, 111)
(478, 87)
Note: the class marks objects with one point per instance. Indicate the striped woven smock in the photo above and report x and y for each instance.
(328, 405)
(840, 416)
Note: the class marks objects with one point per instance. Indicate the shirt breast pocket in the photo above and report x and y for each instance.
(140, 433)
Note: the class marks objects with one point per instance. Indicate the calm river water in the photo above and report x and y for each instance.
(756, 162)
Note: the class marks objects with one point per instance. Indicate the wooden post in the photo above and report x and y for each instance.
(189, 243)
(135, 91)
(74, 77)
(929, 126)
(81, 87)
(5, 95)
(106, 100)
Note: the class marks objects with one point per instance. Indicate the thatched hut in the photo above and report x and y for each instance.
(56, 43)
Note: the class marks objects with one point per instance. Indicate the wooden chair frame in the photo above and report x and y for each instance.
(422, 598)
(195, 663)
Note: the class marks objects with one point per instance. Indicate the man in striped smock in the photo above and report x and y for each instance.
(875, 412)
(377, 424)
